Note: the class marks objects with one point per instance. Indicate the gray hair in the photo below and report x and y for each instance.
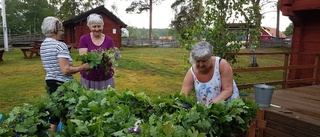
(200, 50)
(94, 18)
(50, 26)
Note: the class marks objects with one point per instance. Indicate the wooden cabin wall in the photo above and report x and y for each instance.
(306, 38)
(109, 27)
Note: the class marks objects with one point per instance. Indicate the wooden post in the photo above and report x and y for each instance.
(285, 71)
(315, 74)
(4, 25)
(257, 125)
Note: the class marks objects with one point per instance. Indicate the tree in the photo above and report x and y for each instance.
(289, 30)
(131, 31)
(139, 6)
(25, 16)
(250, 10)
(253, 16)
(212, 25)
(70, 8)
(185, 13)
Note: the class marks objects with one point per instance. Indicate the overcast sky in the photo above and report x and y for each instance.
(163, 14)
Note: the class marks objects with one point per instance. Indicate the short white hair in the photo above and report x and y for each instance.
(50, 26)
(200, 50)
(94, 18)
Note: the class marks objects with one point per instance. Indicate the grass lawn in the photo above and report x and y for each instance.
(154, 71)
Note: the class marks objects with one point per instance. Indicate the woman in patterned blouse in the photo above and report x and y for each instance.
(210, 76)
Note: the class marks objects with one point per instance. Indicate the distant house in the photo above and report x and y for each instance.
(266, 32)
(77, 26)
(165, 38)
(269, 33)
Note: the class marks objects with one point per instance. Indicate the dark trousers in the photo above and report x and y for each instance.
(53, 86)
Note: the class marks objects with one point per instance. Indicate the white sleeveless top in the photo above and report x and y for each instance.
(207, 91)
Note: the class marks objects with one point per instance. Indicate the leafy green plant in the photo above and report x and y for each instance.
(27, 120)
(101, 59)
(112, 113)
(102, 113)
(93, 58)
(65, 99)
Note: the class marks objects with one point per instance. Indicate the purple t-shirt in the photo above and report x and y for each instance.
(96, 74)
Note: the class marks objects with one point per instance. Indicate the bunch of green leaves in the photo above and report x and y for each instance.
(101, 59)
(93, 58)
(109, 59)
(27, 120)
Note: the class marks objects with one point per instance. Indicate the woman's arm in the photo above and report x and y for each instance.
(66, 69)
(226, 75)
(187, 84)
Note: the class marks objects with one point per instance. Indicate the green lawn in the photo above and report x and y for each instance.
(154, 71)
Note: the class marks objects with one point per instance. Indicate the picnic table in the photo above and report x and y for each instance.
(28, 52)
(30, 49)
(34, 49)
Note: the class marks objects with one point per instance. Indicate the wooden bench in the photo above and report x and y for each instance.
(28, 52)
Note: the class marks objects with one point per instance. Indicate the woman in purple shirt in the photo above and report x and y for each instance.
(96, 41)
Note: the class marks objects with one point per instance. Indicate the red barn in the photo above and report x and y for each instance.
(304, 15)
(77, 26)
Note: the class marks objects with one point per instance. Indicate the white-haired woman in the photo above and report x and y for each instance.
(210, 76)
(56, 59)
(96, 41)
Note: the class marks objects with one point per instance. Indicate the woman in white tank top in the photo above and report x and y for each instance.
(210, 76)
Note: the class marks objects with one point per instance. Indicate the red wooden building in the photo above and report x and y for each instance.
(266, 32)
(304, 15)
(269, 33)
(77, 26)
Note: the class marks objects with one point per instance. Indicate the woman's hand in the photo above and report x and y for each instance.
(85, 66)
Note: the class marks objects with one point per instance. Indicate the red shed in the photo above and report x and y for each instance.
(77, 26)
(304, 15)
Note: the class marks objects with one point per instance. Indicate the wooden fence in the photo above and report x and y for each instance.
(16, 40)
(175, 43)
(275, 43)
(146, 42)
(285, 82)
